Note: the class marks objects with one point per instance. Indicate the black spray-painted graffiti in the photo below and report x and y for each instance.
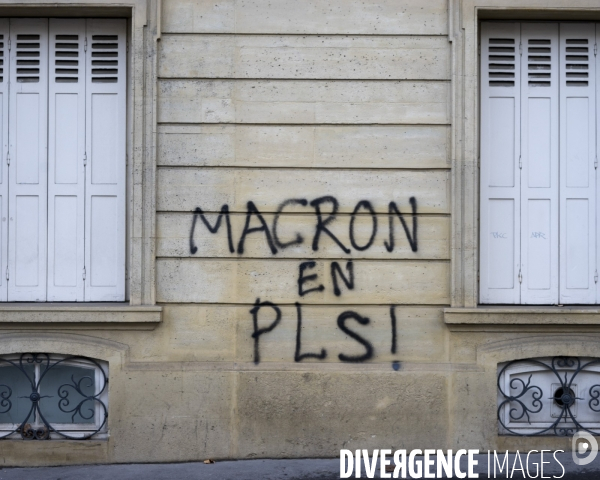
(272, 313)
(266, 315)
(323, 220)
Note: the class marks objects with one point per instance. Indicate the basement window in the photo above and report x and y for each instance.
(45, 396)
(549, 396)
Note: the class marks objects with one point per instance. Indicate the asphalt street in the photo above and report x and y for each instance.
(295, 469)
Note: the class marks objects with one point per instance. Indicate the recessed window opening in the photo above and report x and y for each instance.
(63, 159)
(45, 396)
(539, 150)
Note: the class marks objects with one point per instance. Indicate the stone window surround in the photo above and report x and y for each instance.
(464, 17)
(140, 312)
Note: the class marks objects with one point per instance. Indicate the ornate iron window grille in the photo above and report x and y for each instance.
(564, 397)
(71, 397)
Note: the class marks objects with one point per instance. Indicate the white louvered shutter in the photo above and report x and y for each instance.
(539, 160)
(4, 72)
(106, 162)
(577, 169)
(28, 182)
(500, 188)
(596, 67)
(66, 152)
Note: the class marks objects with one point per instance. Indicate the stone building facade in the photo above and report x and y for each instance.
(303, 237)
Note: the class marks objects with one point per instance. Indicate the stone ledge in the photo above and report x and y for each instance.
(522, 318)
(77, 315)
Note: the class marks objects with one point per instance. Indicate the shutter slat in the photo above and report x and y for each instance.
(66, 151)
(28, 181)
(105, 145)
(577, 172)
(539, 156)
(500, 139)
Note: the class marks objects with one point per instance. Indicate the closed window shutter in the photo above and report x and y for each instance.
(539, 159)
(66, 154)
(577, 157)
(500, 188)
(28, 183)
(105, 146)
(4, 64)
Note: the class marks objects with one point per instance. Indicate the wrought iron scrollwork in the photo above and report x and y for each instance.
(71, 397)
(524, 399)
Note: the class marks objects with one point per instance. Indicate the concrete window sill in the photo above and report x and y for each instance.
(530, 318)
(120, 316)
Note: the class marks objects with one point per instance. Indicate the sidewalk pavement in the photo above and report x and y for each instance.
(296, 469)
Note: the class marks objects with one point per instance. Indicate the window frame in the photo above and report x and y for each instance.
(101, 376)
(143, 34)
(465, 17)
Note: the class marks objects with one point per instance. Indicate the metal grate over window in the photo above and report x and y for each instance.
(45, 396)
(549, 396)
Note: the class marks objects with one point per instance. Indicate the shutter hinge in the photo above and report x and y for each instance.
(520, 48)
(8, 158)
(596, 276)
(595, 49)
(85, 44)
(520, 162)
(85, 159)
(84, 273)
(596, 163)
(520, 276)
(9, 43)
(7, 273)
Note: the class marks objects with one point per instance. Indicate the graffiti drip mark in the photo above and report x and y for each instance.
(337, 270)
(298, 357)
(198, 213)
(393, 318)
(412, 239)
(322, 224)
(261, 331)
(341, 321)
(252, 210)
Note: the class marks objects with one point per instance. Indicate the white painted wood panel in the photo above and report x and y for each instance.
(66, 153)
(500, 175)
(28, 184)
(105, 147)
(596, 68)
(577, 158)
(539, 156)
(4, 119)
